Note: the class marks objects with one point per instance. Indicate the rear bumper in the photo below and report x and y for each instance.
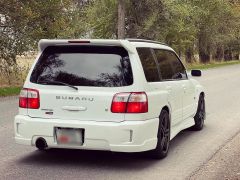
(127, 136)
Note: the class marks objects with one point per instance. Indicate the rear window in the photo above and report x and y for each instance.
(99, 66)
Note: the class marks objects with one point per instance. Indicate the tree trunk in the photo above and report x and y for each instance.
(189, 55)
(204, 48)
(121, 19)
(228, 55)
(219, 56)
(204, 55)
(237, 56)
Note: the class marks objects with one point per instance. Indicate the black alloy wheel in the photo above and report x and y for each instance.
(161, 150)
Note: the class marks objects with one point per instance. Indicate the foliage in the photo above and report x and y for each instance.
(190, 26)
(211, 65)
(208, 28)
(24, 23)
(9, 91)
(101, 18)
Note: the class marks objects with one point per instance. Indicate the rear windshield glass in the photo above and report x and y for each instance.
(100, 66)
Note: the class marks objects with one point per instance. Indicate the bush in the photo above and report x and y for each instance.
(12, 75)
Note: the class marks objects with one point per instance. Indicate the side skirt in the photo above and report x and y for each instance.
(181, 126)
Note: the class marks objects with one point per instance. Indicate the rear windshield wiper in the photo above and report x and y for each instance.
(57, 82)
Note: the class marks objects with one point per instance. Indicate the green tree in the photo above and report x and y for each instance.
(208, 28)
(101, 19)
(23, 23)
(214, 23)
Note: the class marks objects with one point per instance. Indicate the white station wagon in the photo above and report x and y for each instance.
(128, 95)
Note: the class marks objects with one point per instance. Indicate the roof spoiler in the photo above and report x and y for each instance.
(43, 43)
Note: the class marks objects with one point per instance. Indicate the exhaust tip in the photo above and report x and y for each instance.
(41, 144)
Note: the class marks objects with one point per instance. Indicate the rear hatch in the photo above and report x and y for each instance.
(79, 82)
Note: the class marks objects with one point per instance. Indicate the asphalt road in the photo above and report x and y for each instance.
(224, 165)
(189, 151)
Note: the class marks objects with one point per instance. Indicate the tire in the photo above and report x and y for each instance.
(200, 115)
(161, 150)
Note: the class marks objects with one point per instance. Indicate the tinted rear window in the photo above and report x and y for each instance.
(100, 66)
(149, 64)
(170, 65)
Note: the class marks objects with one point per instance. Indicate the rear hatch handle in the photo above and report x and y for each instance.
(74, 108)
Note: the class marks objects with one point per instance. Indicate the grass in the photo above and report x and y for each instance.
(9, 91)
(211, 65)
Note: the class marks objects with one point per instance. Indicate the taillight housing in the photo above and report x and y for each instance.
(29, 98)
(132, 102)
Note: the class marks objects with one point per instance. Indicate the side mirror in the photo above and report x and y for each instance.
(196, 72)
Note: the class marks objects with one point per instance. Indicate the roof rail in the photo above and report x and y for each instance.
(145, 40)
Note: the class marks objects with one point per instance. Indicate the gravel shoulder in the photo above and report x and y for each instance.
(224, 164)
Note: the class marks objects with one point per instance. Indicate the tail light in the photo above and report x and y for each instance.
(134, 102)
(29, 98)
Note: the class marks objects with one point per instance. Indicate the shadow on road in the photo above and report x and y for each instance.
(96, 159)
(90, 159)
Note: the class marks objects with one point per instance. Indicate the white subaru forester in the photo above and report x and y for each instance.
(117, 95)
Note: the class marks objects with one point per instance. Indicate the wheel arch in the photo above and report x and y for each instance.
(167, 108)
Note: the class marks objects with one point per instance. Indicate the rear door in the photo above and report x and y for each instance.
(172, 83)
(189, 107)
(98, 72)
(187, 87)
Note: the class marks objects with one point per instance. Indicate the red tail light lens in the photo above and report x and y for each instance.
(29, 98)
(135, 102)
(119, 103)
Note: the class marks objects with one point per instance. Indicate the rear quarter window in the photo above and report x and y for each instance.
(99, 66)
(149, 65)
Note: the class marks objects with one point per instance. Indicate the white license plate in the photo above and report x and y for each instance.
(69, 136)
